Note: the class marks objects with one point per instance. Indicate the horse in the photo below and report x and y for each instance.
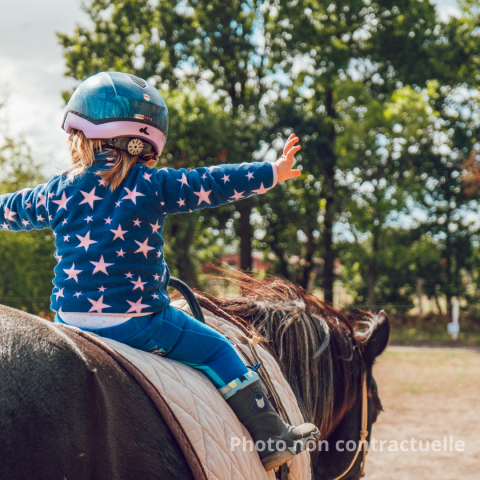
(72, 413)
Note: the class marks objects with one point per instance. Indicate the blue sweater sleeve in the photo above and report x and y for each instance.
(182, 191)
(25, 209)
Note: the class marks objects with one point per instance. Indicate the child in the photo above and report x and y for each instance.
(107, 213)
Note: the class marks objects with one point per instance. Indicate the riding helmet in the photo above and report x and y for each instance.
(121, 109)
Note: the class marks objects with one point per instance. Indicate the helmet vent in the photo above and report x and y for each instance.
(137, 80)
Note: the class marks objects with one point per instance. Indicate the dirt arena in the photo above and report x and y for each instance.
(428, 394)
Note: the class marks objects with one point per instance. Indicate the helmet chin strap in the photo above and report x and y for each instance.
(134, 146)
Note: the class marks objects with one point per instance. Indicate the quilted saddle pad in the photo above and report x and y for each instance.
(209, 423)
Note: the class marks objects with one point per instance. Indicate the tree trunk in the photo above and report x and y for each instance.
(371, 285)
(372, 268)
(329, 254)
(308, 267)
(183, 240)
(246, 233)
(328, 275)
(448, 266)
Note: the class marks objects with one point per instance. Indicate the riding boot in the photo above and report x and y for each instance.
(276, 441)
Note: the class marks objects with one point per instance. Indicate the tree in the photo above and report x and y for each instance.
(383, 45)
(203, 135)
(26, 259)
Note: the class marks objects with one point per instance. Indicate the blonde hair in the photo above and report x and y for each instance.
(83, 151)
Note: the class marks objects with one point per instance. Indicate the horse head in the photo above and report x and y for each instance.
(333, 459)
(325, 358)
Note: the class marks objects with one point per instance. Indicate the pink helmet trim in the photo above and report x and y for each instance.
(116, 129)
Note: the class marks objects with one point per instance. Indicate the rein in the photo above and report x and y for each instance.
(362, 444)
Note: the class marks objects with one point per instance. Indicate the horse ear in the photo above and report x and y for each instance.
(378, 341)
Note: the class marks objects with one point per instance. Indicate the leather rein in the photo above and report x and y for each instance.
(362, 444)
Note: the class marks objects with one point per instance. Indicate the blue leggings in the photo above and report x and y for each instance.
(176, 335)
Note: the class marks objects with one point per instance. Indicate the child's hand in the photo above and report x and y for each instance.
(284, 164)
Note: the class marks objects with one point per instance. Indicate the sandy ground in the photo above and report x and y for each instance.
(427, 394)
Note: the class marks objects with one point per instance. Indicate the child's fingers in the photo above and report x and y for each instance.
(293, 151)
(292, 140)
(295, 173)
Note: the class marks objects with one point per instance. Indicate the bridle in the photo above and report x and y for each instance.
(362, 444)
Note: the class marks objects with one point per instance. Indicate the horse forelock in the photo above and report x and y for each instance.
(316, 345)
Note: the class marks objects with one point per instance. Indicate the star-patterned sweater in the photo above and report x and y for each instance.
(109, 243)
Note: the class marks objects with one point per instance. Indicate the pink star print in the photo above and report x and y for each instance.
(9, 214)
(108, 221)
(70, 176)
(72, 273)
(29, 205)
(132, 195)
(89, 219)
(50, 195)
(64, 222)
(59, 293)
(117, 204)
(85, 241)
(119, 232)
(101, 266)
(147, 176)
(237, 195)
(102, 289)
(181, 203)
(144, 248)
(5, 225)
(262, 189)
(156, 277)
(25, 222)
(204, 176)
(98, 306)
(155, 227)
(102, 182)
(66, 238)
(129, 275)
(120, 253)
(203, 196)
(226, 178)
(138, 284)
(155, 296)
(137, 306)
(137, 222)
(43, 200)
(62, 203)
(183, 180)
(40, 218)
(89, 197)
(77, 294)
(249, 175)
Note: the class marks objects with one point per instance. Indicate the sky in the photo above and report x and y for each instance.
(32, 71)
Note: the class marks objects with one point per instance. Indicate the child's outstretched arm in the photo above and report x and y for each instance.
(25, 209)
(182, 191)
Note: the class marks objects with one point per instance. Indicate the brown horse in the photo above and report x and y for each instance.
(76, 414)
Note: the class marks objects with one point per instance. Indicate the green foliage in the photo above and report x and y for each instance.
(26, 258)
(381, 96)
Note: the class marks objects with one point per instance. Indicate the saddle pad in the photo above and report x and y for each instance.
(208, 421)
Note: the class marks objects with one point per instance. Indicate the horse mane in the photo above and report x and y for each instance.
(316, 345)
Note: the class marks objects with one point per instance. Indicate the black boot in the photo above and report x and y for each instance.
(281, 442)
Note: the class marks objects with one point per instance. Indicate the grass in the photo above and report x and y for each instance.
(436, 336)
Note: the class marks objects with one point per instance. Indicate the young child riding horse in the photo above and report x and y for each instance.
(107, 213)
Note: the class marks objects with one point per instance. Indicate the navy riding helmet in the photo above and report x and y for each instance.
(121, 109)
